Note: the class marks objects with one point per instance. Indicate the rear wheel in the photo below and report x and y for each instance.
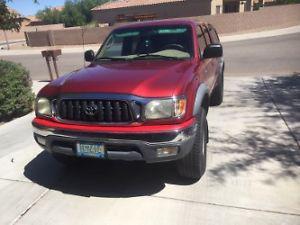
(217, 95)
(193, 165)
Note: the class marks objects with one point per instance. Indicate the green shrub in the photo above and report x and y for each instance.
(16, 97)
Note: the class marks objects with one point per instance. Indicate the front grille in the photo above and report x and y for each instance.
(98, 111)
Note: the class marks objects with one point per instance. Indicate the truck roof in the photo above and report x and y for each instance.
(160, 22)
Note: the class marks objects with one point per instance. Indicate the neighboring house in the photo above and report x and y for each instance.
(32, 21)
(136, 10)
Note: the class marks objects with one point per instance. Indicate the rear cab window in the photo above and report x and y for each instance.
(206, 34)
(213, 35)
(201, 40)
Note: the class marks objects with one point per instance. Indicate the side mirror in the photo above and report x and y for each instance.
(213, 51)
(89, 55)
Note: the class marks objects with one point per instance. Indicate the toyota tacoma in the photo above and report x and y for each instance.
(144, 96)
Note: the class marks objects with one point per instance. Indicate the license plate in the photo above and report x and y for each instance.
(90, 150)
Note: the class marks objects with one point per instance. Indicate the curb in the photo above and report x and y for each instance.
(261, 34)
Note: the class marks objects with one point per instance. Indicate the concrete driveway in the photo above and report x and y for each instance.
(252, 176)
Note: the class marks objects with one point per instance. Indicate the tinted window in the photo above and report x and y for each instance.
(214, 36)
(201, 40)
(128, 43)
(206, 35)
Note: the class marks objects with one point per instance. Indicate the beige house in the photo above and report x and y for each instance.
(231, 6)
(136, 10)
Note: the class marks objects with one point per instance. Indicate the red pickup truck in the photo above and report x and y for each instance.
(144, 96)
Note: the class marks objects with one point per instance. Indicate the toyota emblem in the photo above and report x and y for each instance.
(91, 110)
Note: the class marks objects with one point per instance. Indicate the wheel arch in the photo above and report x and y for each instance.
(201, 99)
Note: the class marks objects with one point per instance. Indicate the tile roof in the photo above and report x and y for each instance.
(32, 18)
(131, 3)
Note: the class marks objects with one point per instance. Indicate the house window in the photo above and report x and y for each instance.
(231, 7)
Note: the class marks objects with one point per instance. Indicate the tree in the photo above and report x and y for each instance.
(49, 16)
(9, 20)
(74, 13)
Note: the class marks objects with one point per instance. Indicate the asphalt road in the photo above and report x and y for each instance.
(256, 57)
(264, 56)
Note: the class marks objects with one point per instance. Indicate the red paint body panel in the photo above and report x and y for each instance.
(122, 94)
(144, 78)
(138, 78)
(113, 129)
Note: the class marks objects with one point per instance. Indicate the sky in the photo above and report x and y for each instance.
(28, 8)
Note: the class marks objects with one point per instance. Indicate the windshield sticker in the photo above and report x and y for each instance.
(172, 31)
(128, 34)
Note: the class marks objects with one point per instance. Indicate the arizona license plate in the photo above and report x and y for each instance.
(90, 150)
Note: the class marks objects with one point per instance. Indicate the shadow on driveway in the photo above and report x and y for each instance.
(102, 178)
(265, 138)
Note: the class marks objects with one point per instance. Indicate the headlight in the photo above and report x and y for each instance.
(165, 108)
(43, 107)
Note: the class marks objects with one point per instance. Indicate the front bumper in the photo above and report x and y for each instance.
(119, 146)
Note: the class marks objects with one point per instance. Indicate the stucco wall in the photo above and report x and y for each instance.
(36, 39)
(162, 11)
(12, 35)
(74, 36)
(266, 18)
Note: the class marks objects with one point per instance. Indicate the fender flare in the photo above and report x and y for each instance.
(202, 91)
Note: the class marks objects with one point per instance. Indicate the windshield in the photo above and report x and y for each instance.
(156, 42)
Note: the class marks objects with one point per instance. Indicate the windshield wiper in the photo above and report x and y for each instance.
(111, 58)
(156, 56)
(143, 56)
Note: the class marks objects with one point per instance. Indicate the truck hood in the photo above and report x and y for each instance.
(151, 78)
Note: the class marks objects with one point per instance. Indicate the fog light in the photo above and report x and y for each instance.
(41, 140)
(167, 151)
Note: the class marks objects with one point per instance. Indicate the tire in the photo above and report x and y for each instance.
(65, 159)
(218, 92)
(193, 165)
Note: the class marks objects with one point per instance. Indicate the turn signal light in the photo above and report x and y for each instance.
(180, 106)
(167, 151)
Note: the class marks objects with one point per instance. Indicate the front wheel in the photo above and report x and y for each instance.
(193, 165)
